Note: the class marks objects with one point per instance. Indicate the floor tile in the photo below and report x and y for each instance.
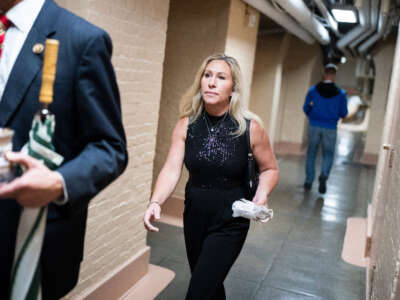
(239, 289)
(178, 287)
(270, 293)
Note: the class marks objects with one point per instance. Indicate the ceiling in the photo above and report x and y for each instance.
(376, 20)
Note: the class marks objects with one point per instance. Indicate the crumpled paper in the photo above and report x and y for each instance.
(249, 210)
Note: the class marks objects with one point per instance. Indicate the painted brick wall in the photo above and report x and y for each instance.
(299, 74)
(196, 29)
(267, 55)
(115, 232)
(241, 41)
(385, 254)
(383, 63)
(384, 268)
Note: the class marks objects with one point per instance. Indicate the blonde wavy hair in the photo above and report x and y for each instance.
(192, 105)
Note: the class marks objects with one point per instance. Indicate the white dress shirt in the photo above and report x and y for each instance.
(22, 16)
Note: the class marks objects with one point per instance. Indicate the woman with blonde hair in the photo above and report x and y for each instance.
(210, 139)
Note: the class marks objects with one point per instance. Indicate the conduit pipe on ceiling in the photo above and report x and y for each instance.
(326, 14)
(373, 26)
(364, 11)
(383, 21)
(299, 11)
(282, 19)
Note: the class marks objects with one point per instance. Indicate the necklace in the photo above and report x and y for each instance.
(213, 130)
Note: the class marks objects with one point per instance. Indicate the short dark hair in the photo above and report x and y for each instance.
(330, 71)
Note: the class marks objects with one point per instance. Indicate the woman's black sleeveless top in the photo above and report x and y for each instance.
(215, 158)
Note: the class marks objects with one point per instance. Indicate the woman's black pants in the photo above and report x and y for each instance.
(213, 241)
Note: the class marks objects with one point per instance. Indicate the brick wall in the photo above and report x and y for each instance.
(241, 41)
(301, 68)
(196, 29)
(267, 55)
(383, 63)
(384, 267)
(298, 75)
(115, 232)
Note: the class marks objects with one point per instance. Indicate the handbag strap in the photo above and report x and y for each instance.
(249, 152)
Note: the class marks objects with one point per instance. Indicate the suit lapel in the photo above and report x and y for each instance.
(28, 64)
(26, 68)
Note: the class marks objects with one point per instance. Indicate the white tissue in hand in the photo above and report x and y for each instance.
(250, 210)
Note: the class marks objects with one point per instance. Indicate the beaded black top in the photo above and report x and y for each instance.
(214, 156)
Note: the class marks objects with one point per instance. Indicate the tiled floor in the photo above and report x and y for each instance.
(297, 255)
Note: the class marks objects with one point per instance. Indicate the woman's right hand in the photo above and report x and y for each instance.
(153, 212)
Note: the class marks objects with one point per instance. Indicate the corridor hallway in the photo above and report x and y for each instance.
(296, 255)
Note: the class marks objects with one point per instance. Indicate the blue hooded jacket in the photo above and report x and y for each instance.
(325, 104)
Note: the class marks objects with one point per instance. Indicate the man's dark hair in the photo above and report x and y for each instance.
(330, 71)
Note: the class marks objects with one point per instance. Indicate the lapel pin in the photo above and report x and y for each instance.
(38, 48)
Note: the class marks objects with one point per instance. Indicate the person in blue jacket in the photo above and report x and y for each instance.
(325, 104)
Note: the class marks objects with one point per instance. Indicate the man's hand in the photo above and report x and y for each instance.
(37, 187)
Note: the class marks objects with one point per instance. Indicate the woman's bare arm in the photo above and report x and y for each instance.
(169, 175)
(269, 173)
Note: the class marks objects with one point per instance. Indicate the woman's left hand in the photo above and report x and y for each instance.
(261, 200)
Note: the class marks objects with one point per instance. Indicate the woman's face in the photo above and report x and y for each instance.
(216, 83)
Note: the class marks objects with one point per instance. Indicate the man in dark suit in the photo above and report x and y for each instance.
(88, 134)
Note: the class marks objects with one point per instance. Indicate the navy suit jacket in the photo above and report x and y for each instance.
(89, 134)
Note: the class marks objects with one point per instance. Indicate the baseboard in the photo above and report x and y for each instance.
(122, 280)
(150, 285)
(289, 148)
(370, 271)
(369, 159)
(172, 211)
(355, 242)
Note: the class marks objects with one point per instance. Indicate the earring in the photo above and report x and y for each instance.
(197, 97)
(234, 96)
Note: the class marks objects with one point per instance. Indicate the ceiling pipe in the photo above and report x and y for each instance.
(299, 11)
(327, 15)
(374, 18)
(382, 24)
(282, 19)
(364, 12)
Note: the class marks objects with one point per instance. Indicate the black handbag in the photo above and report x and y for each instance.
(252, 167)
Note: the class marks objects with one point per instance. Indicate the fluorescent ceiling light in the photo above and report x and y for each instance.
(344, 15)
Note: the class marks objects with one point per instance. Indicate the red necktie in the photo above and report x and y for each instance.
(5, 23)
